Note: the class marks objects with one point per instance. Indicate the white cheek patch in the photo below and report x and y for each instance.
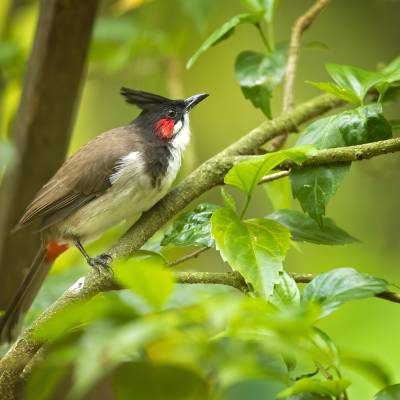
(178, 126)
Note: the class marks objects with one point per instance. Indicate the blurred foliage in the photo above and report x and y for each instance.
(161, 340)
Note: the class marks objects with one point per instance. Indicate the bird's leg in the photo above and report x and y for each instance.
(102, 260)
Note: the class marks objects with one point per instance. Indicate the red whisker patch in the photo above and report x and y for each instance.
(164, 128)
(54, 250)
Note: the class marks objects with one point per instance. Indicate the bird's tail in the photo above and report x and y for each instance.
(11, 321)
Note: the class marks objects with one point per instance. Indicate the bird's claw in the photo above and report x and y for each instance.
(101, 263)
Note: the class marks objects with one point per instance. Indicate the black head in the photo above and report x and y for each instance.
(166, 116)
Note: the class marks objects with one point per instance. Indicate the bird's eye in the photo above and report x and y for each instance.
(171, 113)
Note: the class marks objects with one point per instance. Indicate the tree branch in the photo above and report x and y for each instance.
(298, 29)
(27, 345)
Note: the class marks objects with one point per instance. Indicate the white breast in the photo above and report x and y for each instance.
(131, 192)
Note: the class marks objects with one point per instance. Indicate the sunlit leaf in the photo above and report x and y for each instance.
(356, 80)
(334, 288)
(286, 291)
(224, 32)
(391, 392)
(258, 74)
(192, 228)
(305, 229)
(279, 193)
(255, 247)
(147, 277)
(246, 174)
(229, 201)
(331, 387)
(338, 91)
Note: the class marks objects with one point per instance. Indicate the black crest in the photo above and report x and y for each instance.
(143, 100)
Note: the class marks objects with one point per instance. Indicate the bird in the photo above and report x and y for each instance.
(116, 175)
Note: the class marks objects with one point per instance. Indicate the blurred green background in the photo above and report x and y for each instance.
(145, 45)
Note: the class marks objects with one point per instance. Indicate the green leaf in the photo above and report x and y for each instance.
(279, 193)
(246, 174)
(255, 248)
(310, 385)
(315, 186)
(147, 277)
(224, 32)
(286, 291)
(391, 392)
(336, 287)
(391, 72)
(157, 382)
(229, 201)
(372, 370)
(258, 74)
(268, 6)
(353, 79)
(338, 91)
(305, 229)
(192, 228)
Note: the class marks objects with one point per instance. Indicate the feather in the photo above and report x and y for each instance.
(142, 99)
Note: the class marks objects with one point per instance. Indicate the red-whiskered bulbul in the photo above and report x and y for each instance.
(119, 173)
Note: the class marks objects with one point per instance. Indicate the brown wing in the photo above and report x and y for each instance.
(81, 178)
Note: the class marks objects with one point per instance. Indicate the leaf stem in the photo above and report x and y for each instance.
(271, 35)
(263, 38)
(186, 257)
(245, 206)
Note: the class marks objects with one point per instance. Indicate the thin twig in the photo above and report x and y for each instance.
(274, 176)
(298, 29)
(186, 257)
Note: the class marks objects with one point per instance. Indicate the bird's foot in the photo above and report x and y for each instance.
(101, 263)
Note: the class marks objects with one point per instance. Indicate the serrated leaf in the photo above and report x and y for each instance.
(336, 287)
(224, 32)
(286, 291)
(310, 385)
(391, 72)
(315, 186)
(258, 74)
(305, 229)
(391, 392)
(255, 247)
(192, 228)
(146, 276)
(338, 91)
(356, 80)
(246, 174)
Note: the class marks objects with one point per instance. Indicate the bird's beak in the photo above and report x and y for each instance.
(191, 101)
